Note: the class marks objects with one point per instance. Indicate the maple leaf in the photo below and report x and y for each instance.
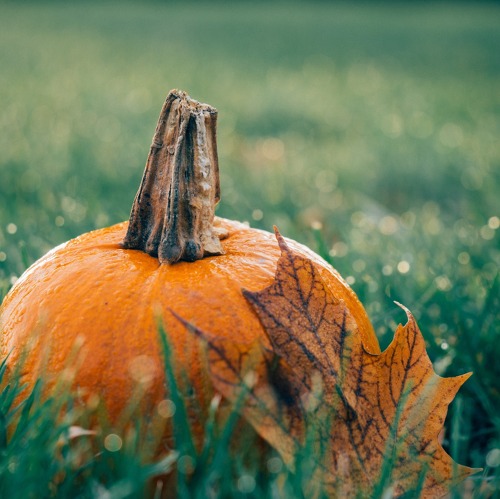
(374, 419)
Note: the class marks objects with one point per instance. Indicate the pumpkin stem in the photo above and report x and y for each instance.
(173, 213)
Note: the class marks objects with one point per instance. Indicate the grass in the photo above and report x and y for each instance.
(41, 459)
(367, 131)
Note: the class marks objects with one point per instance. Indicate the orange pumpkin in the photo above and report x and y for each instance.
(108, 287)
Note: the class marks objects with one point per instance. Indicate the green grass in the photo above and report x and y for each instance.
(40, 459)
(377, 123)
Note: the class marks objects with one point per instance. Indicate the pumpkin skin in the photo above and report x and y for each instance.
(92, 291)
(89, 310)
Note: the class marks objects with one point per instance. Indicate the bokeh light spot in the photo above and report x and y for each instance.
(339, 249)
(486, 232)
(274, 465)
(494, 223)
(463, 258)
(113, 443)
(246, 484)
(257, 214)
(493, 458)
(443, 283)
(359, 265)
(166, 408)
(387, 270)
(403, 267)
(272, 149)
(388, 225)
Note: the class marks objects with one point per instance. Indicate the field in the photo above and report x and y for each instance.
(367, 131)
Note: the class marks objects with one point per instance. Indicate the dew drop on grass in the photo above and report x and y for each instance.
(493, 458)
(487, 232)
(387, 270)
(274, 465)
(142, 369)
(494, 223)
(359, 265)
(272, 149)
(388, 493)
(339, 249)
(113, 443)
(246, 484)
(257, 214)
(403, 267)
(12, 466)
(388, 225)
(443, 283)
(93, 401)
(463, 258)
(166, 408)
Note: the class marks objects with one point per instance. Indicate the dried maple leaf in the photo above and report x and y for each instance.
(373, 419)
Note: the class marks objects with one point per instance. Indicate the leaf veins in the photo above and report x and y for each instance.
(373, 419)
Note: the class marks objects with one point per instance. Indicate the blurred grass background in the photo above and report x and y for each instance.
(368, 131)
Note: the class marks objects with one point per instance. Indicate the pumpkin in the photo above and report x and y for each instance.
(106, 289)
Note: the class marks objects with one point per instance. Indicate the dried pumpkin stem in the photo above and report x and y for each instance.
(173, 213)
